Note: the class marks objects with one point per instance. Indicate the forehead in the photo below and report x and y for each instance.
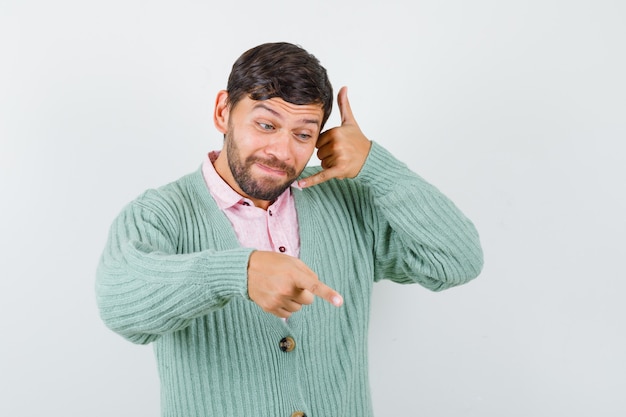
(279, 108)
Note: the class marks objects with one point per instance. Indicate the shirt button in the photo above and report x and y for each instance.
(270, 212)
(298, 414)
(287, 344)
(282, 249)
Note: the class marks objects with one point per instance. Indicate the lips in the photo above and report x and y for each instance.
(274, 167)
(271, 170)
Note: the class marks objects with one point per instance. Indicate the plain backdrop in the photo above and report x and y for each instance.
(514, 109)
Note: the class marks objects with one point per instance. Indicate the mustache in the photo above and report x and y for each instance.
(273, 163)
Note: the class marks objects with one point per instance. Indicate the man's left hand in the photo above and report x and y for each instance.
(342, 150)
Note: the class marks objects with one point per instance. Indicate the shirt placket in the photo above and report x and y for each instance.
(278, 238)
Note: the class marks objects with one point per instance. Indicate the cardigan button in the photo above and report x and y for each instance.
(287, 344)
(298, 414)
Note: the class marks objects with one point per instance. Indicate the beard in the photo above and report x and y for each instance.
(267, 189)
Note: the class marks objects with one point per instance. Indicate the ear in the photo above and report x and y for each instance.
(221, 112)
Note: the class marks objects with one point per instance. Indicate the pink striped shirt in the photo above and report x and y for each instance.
(274, 229)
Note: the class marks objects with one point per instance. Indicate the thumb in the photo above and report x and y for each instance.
(344, 107)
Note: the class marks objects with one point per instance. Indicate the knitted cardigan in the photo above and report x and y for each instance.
(173, 273)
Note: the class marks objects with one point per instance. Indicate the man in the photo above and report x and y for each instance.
(221, 268)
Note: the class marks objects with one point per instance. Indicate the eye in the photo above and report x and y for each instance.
(303, 136)
(266, 126)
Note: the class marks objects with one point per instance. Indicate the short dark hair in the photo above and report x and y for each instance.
(280, 70)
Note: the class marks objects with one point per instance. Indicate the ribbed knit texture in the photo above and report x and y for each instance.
(173, 273)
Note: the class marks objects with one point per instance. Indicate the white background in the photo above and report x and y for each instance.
(514, 109)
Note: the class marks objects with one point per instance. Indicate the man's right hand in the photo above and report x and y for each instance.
(281, 284)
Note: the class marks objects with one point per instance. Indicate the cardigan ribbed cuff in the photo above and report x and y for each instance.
(231, 267)
(382, 170)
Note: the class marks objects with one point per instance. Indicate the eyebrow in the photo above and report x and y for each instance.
(277, 114)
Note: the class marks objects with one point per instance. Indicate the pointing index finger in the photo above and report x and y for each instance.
(324, 291)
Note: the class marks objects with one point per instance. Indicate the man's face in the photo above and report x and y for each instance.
(268, 144)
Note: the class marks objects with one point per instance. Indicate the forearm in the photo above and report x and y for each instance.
(144, 289)
(422, 236)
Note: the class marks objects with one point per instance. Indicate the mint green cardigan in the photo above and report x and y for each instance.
(173, 273)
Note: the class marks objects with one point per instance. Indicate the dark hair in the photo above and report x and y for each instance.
(280, 70)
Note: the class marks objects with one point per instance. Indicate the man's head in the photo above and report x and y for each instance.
(280, 70)
(277, 101)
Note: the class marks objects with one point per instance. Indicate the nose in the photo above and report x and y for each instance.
(278, 145)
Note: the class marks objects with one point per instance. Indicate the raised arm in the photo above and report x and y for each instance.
(420, 235)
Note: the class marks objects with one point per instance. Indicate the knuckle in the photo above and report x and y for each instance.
(314, 288)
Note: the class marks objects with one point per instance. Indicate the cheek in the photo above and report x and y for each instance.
(248, 143)
(303, 153)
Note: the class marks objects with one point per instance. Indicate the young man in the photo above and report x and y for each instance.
(221, 268)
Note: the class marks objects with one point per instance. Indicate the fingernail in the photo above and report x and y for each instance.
(337, 300)
(302, 183)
